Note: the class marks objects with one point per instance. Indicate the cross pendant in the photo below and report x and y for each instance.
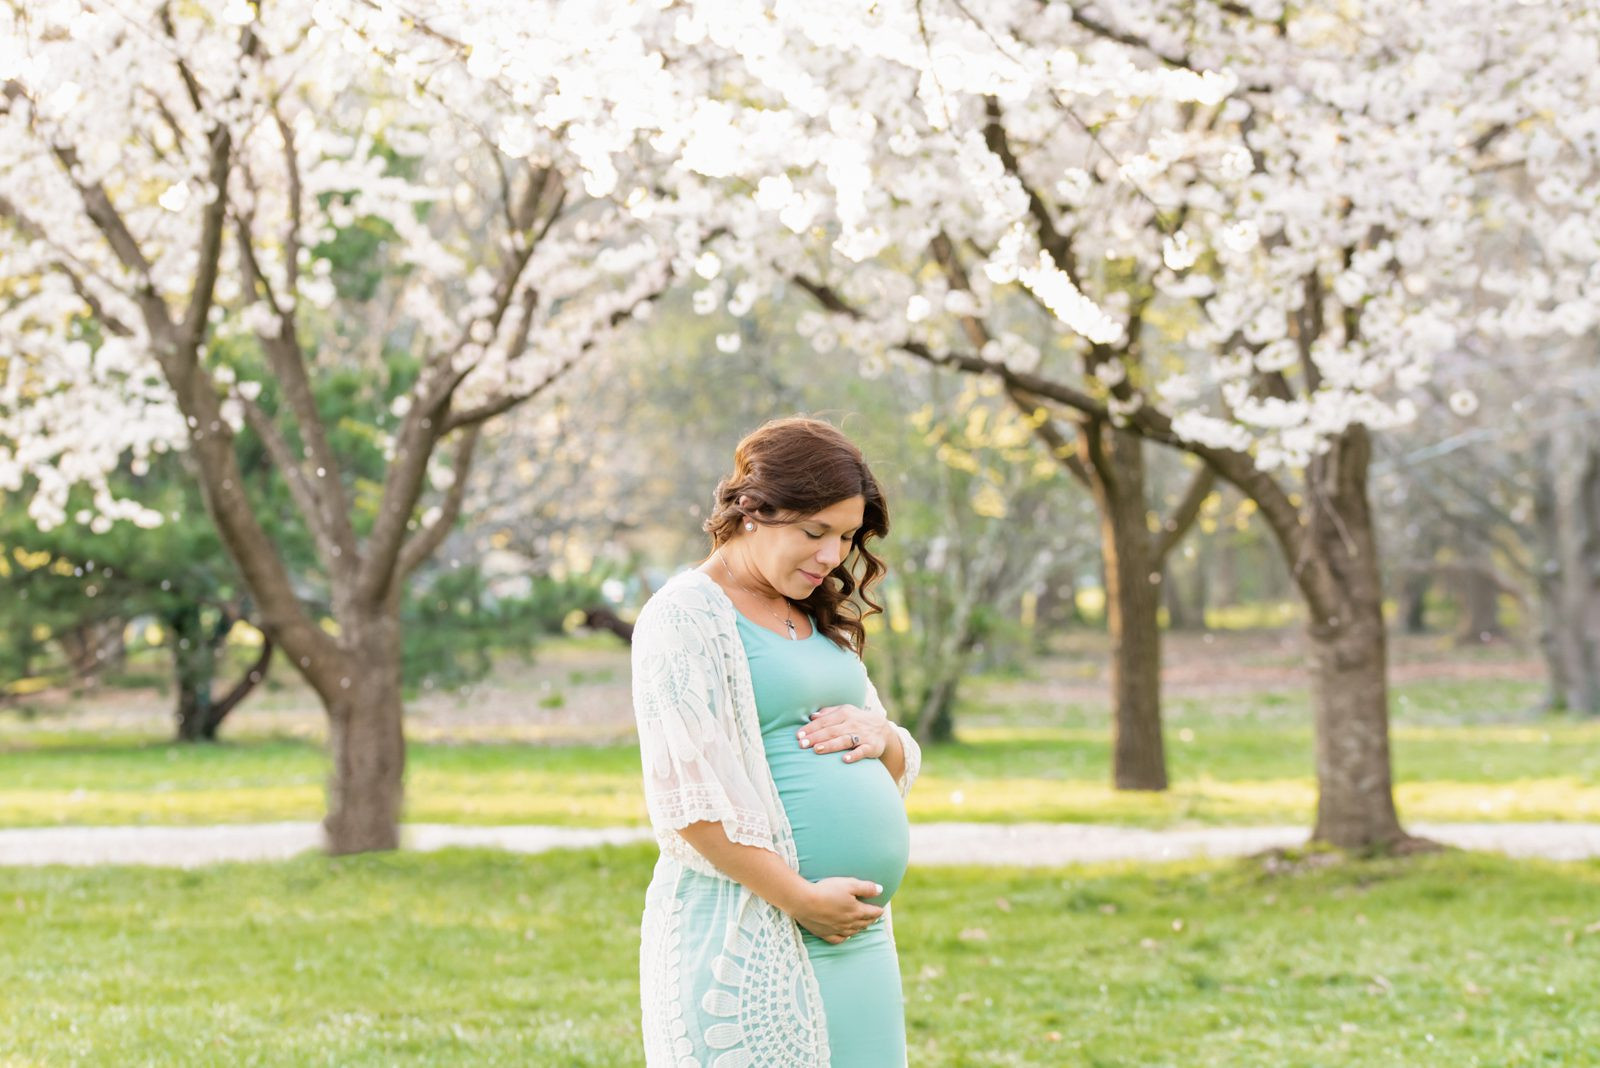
(792, 635)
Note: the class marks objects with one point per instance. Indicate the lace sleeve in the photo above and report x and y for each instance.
(908, 744)
(691, 762)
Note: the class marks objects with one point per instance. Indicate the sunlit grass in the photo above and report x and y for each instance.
(488, 958)
(1007, 701)
(1222, 771)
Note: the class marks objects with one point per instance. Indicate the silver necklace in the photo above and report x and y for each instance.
(788, 620)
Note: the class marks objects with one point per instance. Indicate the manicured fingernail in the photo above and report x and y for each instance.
(879, 886)
(817, 713)
(802, 733)
(805, 743)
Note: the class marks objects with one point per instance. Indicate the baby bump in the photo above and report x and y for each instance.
(847, 819)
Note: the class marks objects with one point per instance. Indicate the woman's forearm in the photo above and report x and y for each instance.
(762, 870)
(894, 754)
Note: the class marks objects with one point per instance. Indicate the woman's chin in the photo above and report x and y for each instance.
(805, 585)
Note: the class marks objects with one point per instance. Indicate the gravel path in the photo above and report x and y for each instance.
(1028, 844)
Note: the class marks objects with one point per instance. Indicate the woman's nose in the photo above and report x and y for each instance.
(829, 554)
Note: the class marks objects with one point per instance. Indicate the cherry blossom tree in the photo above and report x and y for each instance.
(1536, 332)
(181, 191)
(1246, 229)
(1517, 487)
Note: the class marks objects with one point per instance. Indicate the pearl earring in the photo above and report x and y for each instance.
(749, 526)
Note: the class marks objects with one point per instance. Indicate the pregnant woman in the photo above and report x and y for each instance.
(775, 782)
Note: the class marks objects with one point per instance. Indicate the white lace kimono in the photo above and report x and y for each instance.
(732, 958)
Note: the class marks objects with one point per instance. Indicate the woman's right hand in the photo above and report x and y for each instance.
(833, 910)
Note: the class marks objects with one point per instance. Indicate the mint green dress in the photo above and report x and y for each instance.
(847, 819)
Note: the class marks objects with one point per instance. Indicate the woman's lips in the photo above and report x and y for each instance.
(816, 580)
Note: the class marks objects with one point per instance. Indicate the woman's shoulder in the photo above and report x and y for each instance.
(689, 598)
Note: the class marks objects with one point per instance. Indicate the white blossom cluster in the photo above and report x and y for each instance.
(1317, 193)
(1274, 220)
(418, 123)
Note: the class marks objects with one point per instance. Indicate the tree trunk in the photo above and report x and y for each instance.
(1567, 508)
(1421, 541)
(92, 647)
(1555, 644)
(366, 738)
(1355, 788)
(1355, 794)
(935, 721)
(603, 618)
(193, 667)
(1200, 579)
(1179, 617)
(1115, 460)
(1050, 611)
(1480, 620)
(1225, 573)
(1414, 600)
(1479, 593)
(1184, 590)
(241, 690)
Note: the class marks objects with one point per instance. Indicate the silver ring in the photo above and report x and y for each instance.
(855, 740)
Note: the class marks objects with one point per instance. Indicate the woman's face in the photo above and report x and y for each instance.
(794, 558)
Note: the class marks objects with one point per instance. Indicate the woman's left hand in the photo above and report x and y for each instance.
(845, 728)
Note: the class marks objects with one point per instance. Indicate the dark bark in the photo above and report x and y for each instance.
(936, 719)
(1414, 601)
(1056, 608)
(194, 662)
(1478, 590)
(367, 741)
(603, 618)
(1355, 798)
(1185, 609)
(241, 689)
(1355, 788)
(1115, 460)
(1567, 514)
(197, 648)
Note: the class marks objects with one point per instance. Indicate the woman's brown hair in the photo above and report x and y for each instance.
(793, 468)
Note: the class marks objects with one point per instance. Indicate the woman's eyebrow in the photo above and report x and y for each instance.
(824, 526)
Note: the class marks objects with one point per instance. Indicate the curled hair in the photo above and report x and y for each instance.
(791, 469)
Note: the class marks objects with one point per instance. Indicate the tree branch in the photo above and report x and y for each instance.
(192, 331)
(294, 475)
(1175, 526)
(1045, 429)
(289, 364)
(427, 540)
(1044, 387)
(1051, 239)
(35, 233)
(291, 239)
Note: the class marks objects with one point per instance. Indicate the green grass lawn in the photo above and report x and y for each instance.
(485, 958)
(1231, 761)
